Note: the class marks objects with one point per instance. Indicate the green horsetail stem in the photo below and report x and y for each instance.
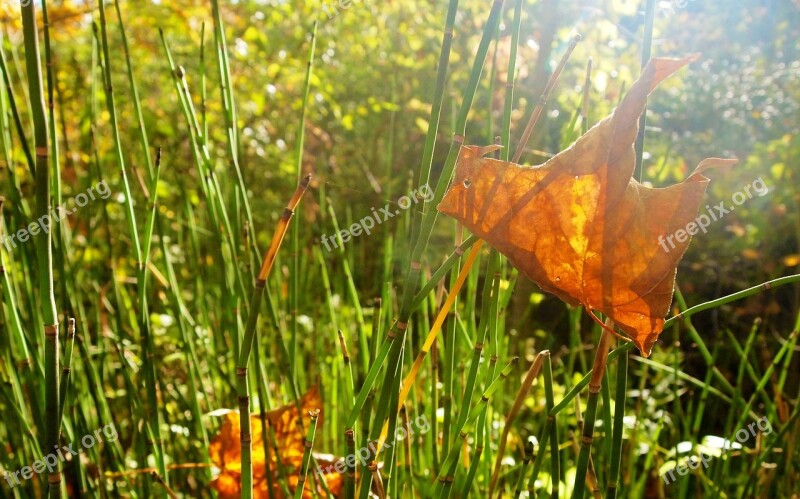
(612, 486)
(309, 445)
(549, 433)
(519, 400)
(445, 477)
(44, 247)
(242, 388)
(587, 436)
(294, 282)
(526, 459)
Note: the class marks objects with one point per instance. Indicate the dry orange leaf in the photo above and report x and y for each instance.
(579, 225)
(225, 451)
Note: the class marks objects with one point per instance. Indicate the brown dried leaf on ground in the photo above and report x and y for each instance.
(579, 225)
(225, 451)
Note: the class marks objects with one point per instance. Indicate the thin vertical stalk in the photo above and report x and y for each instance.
(348, 369)
(396, 337)
(12, 104)
(352, 289)
(409, 380)
(549, 433)
(44, 248)
(444, 478)
(595, 384)
(527, 383)
(350, 474)
(66, 365)
(309, 444)
(612, 486)
(526, 459)
(537, 111)
(295, 255)
(242, 388)
(505, 132)
(140, 126)
(647, 44)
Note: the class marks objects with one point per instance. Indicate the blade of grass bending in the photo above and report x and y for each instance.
(309, 444)
(44, 248)
(249, 336)
(682, 315)
(217, 211)
(471, 386)
(519, 400)
(411, 377)
(595, 384)
(702, 348)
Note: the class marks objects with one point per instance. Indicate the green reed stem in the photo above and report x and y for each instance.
(295, 256)
(309, 444)
(444, 478)
(612, 487)
(248, 338)
(649, 18)
(595, 384)
(44, 247)
(526, 459)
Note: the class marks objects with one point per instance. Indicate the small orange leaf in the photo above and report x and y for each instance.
(580, 226)
(225, 451)
(792, 260)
